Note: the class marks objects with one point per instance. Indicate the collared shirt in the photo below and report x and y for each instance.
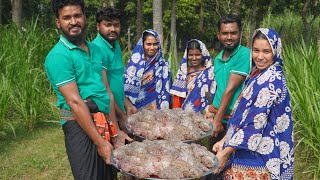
(114, 66)
(237, 63)
(67, 63)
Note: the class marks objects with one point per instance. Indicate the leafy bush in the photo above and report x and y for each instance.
(24, 87)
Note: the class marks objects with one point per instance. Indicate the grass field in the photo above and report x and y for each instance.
(39, 154)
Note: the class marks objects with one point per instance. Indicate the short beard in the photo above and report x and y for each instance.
(106, 37)
(230, 48)
(76, 39)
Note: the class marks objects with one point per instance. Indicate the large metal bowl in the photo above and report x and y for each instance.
(127, 174)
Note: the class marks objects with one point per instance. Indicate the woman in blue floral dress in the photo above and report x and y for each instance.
(147, 78)
(195, 79)
(259, 140)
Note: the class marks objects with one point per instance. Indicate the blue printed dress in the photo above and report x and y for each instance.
(147, 82)
(261, 128)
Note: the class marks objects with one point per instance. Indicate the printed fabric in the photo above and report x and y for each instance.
(147, 82)
(261, 128)
(194, 86)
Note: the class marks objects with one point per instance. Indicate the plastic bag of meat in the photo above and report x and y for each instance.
(164, 159)
(169, 124)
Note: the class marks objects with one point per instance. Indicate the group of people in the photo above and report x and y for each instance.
(243, 92)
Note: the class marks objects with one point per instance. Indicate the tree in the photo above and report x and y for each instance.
(237, 7)
(173, 32)
(201, 23)
(311, 10)
(157, 18)
(17, 12)
(139, 21)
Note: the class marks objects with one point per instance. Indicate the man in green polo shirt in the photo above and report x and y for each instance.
(231, 66)
(108, 26)
(74, 69)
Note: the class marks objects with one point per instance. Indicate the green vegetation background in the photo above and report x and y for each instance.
(32, 145)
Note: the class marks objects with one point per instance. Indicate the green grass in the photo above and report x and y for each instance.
(303, 77)
(39, 154)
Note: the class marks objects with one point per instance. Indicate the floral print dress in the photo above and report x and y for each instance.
(147, 82)
(261, 128)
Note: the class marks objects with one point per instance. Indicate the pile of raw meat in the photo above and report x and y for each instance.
(169, 124)
(164, 159)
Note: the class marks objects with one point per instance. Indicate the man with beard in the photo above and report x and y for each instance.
(74, 69)
(231, 66)
(108, 26)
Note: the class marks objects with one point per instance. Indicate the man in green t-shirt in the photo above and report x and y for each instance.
(74, 69)
(231, 66)
(108, 26)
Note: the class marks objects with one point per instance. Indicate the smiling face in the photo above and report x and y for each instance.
(262, 54)
(109, 30)
(150, 46)
(194, 58)
(71, 22)
(229, 36)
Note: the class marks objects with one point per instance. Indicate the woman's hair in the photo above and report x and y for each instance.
(194, 45)
(259, 35)
(145, 35)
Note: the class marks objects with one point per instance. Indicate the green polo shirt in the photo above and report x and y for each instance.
(114, 67)
(237, 63)
(67, 63)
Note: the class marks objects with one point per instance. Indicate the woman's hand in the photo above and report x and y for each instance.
(217, 147)
(223, 157)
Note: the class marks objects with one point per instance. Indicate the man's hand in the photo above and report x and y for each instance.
(120, 139)
(122, 123)
(132, 110)
(217, 128)
(104, 149)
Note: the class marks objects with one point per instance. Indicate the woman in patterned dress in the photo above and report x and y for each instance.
(194, 79)
(147, 78)
(259, 140)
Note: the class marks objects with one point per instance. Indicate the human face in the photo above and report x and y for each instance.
(72, 23)
(150, 46)
(194, 58)
(109, 30)
(262, 54)
(229, 36)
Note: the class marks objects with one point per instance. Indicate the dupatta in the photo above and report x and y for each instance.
(148, 81)
(262, 123)
(194, 91)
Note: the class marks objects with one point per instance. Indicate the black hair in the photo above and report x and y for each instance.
(230, 18)
(107, 14)
(145, 35)
(259, 35)
(193, 44)
(56, 5)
